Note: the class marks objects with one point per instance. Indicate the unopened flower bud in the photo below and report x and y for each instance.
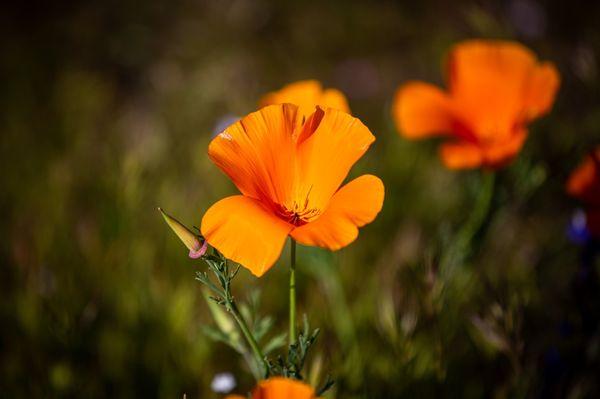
(189, 239)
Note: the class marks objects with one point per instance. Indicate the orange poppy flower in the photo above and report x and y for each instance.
(280, 388)
(307, 94)
(283, 388)
(289, 170)
(584, 184)
(495, 89)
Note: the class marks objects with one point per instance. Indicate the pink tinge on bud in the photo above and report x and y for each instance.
(196, 253)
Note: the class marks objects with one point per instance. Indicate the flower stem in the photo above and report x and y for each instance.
(481, 211)
(292, 333)
(260, 358)
(462, 246)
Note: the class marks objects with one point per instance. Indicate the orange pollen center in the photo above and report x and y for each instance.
(297, 215)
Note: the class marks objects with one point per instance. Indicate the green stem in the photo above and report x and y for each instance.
(480, 212)
(258, 355)
(461, 248)
(292, 333)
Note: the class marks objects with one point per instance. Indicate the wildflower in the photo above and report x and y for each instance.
(223, 383)
(495, 88)
(280, 388)
(189, 239)
(307, 94)
(584, 184)
(289, 170)
(577, 228)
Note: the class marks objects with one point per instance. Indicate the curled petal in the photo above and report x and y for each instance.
(197, 253)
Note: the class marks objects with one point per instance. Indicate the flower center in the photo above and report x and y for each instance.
(298, 215)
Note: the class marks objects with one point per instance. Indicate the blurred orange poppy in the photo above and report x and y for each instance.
(307, 94)
(494, 89)
(283, 388)
(289, 170)
(584, 184)
(280, 388)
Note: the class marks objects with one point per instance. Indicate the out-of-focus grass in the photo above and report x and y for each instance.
(107, 111)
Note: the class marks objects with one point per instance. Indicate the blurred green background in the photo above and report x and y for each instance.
(107, 109)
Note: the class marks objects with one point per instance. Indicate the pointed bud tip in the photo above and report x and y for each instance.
(190, 240)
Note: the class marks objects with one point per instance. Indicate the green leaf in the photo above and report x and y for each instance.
(262, 327)
(274, 343)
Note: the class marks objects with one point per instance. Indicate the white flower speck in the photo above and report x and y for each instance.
(226, 136)
(223, 383)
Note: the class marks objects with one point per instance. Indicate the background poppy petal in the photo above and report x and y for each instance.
(582, 178)
(583, 181)
(488, 82)
(422, 110)
(245, 232)
(333, 98)
(502, 152)
(307, 94)
(257, 152)
(326, 156)
(542, 90)
(354, 205)
(461, 155)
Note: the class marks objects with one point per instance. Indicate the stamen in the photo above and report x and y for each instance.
(298, 216)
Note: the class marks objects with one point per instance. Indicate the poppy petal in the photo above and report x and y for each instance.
(245, 232)
(583, 181)
(354, 205)
(487, 81)
(582, 178)
(257, 151)
(307, 94)
(304, 94)
(326, 156)
(333, 98)
(422, 110)
(503, 152)
(542, 90)
(283, 388)
(461, 155)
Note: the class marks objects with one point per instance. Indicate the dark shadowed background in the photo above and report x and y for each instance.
(107, 108)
